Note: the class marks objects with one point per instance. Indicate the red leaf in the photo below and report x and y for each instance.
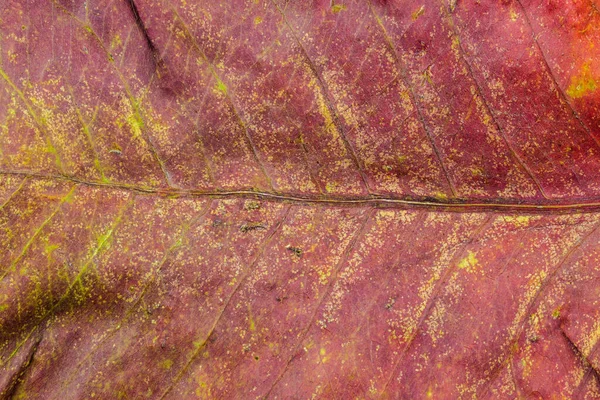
(297, 199)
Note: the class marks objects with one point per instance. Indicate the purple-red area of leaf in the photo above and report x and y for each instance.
(299, 199)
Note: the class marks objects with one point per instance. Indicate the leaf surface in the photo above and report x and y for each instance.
(296, 199)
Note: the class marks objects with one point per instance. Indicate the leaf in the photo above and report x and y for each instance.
(294, 199)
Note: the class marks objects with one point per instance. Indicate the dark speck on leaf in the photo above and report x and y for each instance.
(251, 227)
(390, 304)
(296, 250)
(533, 339)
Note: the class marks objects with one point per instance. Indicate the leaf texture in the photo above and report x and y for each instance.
(299, 199)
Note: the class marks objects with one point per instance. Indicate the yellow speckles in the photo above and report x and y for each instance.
(180, 33)
(116, 41)
(513, 15)
(582, 84)
(406, 101)
(336, 8)
(258, 20)
(469, 263)
(104, 240)
(49, 249)
(556, 313)
(166, 364)
(476, 171)
(591, 339)
(251, 205)
(435, 322)
(587, 28)
(372, 388)
(11, 113)
(331, 187)
(40, 120)
(429, 393)
(452, 5)
(135, 125)
(220, 87)
(133, 119)
(3, 307)
(533, 287)
(526, 364)
(323, 355)
(323, 109)
(50, 148)
(440, 196)
(455, 43)
(69, 197)
(428, 75)
(323, 276)
(12, 56)
(384, 217)
(251, 322)
(418, 12)
(203, 389)
(496, 86)
(519, 221)
(485, 115)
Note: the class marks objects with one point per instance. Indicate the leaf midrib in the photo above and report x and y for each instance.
(591, 204)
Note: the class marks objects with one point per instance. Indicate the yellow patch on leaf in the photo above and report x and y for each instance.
(582, 84)
(418, 12)
(469, 263)
(336, 8)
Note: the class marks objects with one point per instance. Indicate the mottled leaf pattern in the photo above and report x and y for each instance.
(299, 199)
